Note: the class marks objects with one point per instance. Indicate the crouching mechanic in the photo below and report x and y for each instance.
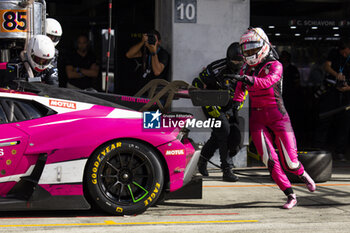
(32, 63)
(261, 75)
(213, 78)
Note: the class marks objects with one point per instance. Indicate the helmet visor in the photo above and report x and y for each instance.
(251, 52)
(251, 48)
(41, 61)
(252, 45)
(54, 38)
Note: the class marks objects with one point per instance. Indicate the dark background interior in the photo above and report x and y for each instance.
(131, 18)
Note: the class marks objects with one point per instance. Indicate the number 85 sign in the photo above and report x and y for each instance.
(13, 20)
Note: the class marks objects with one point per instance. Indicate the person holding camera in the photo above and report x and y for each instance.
(155, 59)
(227, 138)
(337, 67)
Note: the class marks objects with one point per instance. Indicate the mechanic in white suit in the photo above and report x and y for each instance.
(54, 32)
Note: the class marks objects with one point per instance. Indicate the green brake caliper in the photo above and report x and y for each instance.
(132, 195)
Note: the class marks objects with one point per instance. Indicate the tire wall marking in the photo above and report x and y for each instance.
(97, 163)
(100, 157)
(153, 195)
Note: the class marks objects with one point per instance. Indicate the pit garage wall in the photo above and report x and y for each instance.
(195, 44)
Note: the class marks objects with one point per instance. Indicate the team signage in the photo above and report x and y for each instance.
(318, 23)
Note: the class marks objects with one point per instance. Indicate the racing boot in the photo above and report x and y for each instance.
(291, 202)
(202, 167)
(227, 175)
(310, 184)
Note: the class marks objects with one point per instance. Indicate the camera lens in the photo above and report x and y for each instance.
(151, 39)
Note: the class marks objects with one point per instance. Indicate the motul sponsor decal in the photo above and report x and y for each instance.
(63, 104)
(175, 152)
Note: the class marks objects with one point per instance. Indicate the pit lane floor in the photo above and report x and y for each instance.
(251, 205)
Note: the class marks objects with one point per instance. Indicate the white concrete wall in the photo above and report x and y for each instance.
(219, 23)
(194, 45)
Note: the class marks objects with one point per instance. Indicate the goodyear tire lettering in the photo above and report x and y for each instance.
(100, 157)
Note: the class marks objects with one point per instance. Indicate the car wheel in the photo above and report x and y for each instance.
(124, 177)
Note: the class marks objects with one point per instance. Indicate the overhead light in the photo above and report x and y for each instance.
(310, 38)
(293, 27)
(335, 28)
(271, 26)
(297, 34)
(277, 34)
(332, 38)
(336, 35)
(313, 27)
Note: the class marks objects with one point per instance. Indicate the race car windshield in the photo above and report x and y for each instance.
(41, 61)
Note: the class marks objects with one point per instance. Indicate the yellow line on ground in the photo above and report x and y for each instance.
(264, 185)
(105, 223)
(56, 225)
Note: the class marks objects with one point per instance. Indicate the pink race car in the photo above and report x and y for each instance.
(57, 153)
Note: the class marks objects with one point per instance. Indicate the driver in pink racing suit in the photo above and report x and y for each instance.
(261, 75)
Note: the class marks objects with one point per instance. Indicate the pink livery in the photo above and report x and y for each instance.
(63, 154)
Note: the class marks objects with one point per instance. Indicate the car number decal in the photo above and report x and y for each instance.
(13, 21)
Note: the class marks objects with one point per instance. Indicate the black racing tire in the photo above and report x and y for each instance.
(161, 198)
(124, 177)
(317, 163)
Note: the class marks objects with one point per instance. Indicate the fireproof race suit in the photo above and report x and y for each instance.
(269, 114)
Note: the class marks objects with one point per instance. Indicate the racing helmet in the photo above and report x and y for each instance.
(234, 57)
(40, 52)
(255, 46)
(53, 30)
(234, 52)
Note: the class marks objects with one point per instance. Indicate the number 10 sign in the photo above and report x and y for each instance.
(185, 11)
